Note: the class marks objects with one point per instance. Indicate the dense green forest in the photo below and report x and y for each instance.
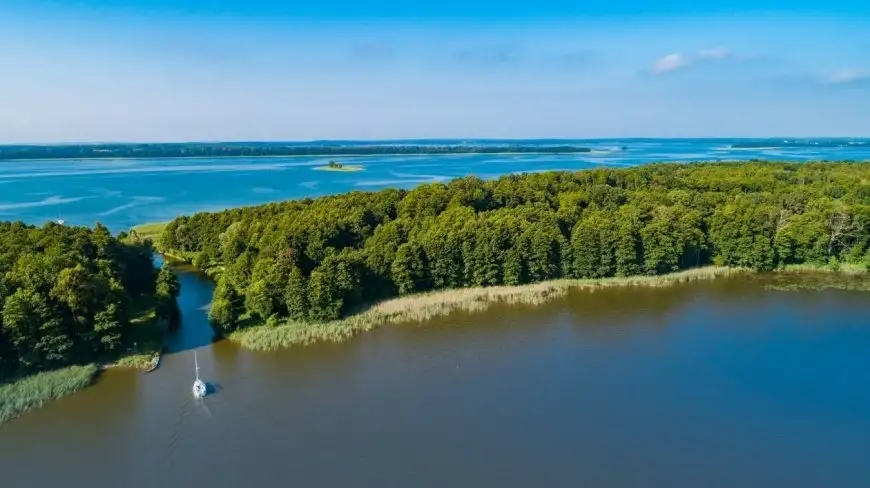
(68, 295)
(187, 150)
(315, 260)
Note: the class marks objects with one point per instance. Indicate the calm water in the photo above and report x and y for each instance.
(122, 193)
(722, 384)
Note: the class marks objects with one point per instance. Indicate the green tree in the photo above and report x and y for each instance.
(167, 289)
(167, 282)
(259, 299)
(226, 308)
(409, 269)
(316, 259)
(109, 328)
(629, 247)
(296, 295)
(332, 287)
(37, 334)
(742, 233)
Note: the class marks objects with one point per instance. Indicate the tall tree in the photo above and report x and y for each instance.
(226, 308)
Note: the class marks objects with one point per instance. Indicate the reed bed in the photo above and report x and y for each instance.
(34, 391)
(425, 306)
(841, 268)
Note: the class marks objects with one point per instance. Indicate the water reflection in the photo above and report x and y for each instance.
(194, 330)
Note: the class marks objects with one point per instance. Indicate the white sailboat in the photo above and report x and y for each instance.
(198, 385)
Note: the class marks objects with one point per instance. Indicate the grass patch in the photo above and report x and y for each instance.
(34, 391)
(422, 307)
(151, 230)
(182, 259)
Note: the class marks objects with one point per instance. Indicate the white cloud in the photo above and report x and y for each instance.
(847, 75)
(671, 62)
(715, 53)
(676, 61)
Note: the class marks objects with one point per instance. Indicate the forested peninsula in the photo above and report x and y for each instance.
(305, 270)
(217, 150)
(72, 297)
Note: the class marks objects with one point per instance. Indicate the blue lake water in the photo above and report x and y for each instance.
(126, 192)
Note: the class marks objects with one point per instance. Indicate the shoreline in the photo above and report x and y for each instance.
(422, 307)
(20, 395)
(348, 155)
(32, 392)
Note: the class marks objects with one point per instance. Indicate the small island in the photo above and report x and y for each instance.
(333, 166)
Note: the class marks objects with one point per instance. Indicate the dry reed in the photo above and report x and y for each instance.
(425, 306)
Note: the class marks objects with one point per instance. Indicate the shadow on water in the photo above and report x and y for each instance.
(194, 330)
(213, 388)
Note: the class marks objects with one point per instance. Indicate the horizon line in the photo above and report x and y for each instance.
(428, 140)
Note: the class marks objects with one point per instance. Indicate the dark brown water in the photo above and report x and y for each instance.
(720, 384)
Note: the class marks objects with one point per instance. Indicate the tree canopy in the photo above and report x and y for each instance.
(319, 259)
(67, 294)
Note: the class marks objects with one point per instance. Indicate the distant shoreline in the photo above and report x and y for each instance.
(113, 152)
(126, 158)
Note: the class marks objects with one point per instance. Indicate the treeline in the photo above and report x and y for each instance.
(186, 150)
(67, 295)
(315, 260)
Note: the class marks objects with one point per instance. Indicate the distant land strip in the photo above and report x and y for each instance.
(811, 143)
(216, 150)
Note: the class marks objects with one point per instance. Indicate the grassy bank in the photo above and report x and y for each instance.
(150, 231)
(153, 231)
(35, 391)
(422, 307)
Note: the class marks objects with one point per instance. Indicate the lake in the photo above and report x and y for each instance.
(125, 192)
(718, 384)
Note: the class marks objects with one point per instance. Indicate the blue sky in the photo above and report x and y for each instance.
(146, 70)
